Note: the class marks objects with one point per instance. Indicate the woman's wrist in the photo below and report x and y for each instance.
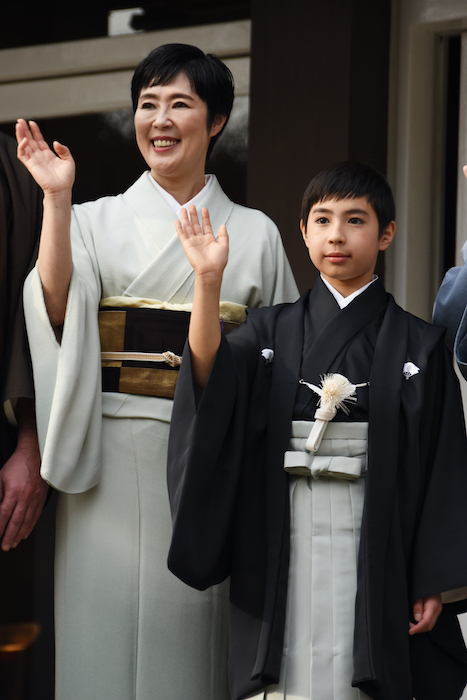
(57, 198)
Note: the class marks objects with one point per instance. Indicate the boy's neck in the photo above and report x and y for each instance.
(344, 299)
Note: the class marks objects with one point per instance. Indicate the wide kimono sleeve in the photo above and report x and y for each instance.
(67, 374)
(439, 554)
(449, 311)
(205, 459)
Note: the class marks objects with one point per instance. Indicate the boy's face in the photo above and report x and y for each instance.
(343, 241)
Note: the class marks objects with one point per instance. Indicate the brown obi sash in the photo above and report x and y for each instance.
(141, 349)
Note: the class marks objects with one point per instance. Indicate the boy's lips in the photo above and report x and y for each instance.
(336, 256)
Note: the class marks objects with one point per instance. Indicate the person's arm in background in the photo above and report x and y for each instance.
(22, 490)
(451, 301)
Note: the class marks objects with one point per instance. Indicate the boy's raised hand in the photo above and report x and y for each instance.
(53, 172)
(207, 256)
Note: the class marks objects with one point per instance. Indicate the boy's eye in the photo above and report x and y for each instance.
(322, 220)
(355, 220)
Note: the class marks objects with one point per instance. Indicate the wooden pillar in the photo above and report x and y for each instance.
(319, 95)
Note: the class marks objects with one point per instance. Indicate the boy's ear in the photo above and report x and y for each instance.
(388, 234)
(303, 230)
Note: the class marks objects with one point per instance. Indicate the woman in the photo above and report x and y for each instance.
(126, 628)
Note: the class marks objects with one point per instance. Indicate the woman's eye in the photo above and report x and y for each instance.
(146, 105)
(177, 105)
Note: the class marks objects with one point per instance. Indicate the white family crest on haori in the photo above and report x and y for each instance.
(268, 354)
(409, 369)
(335, 389)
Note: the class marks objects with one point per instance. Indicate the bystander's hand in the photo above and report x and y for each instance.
(22, 490)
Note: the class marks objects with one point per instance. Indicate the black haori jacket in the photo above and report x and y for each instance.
(230, 500)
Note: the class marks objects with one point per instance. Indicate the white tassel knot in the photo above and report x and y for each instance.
(335, 389)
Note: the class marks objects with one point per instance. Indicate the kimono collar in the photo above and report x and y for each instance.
(169, 276)
(331, 328)
(345, 301)
(152, 209)
(172, 202)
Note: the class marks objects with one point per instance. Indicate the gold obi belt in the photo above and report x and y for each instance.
(142, 342)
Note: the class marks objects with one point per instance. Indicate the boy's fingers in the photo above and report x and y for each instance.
(223, 236)
(185, 224)
(418, 610)
(178, 228)
(465, 170)
(193, 215)
(425, 611)
(205, 216)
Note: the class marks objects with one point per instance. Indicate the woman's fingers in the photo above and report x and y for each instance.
(21, 129)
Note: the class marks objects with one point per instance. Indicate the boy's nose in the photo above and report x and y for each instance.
(336, 234)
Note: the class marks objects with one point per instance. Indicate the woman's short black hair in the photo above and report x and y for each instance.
(351, 180)
(209, 78)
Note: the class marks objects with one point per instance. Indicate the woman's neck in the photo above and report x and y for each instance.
(181, 190)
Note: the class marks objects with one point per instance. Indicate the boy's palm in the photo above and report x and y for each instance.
(207, 256)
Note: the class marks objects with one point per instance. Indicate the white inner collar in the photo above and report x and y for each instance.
(172, 202)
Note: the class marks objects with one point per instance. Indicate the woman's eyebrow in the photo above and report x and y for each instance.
(176, 96)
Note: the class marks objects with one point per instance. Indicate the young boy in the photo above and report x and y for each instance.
(318, 564)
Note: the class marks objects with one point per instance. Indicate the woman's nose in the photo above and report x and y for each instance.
(161, 118)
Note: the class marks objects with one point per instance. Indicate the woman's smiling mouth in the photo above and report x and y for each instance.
(164, 142)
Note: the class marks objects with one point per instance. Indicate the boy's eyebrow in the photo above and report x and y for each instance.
(356, 210)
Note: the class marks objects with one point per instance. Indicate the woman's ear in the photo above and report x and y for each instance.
(388, 234)
(217, 124)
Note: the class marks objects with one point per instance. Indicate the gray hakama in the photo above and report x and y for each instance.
(326, 514)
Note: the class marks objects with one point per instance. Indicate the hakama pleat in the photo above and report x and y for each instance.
(317, 662)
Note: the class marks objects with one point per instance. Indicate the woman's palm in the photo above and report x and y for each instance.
(53, 173)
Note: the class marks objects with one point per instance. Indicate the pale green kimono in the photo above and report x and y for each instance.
(126, 629)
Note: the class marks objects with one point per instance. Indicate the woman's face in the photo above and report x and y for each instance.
(171, 130)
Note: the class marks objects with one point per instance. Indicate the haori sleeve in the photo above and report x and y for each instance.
(204, 462)
(439, 551)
